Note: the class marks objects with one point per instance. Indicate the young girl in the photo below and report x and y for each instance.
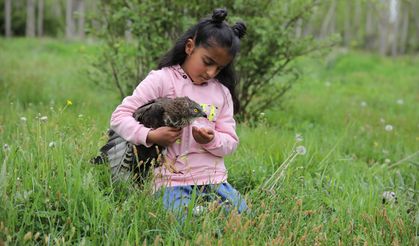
(199, 66)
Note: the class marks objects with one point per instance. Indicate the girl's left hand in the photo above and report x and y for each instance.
(202, 135)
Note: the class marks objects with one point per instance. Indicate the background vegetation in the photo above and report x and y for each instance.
(53, 119)
(135, 33)
(353, 108)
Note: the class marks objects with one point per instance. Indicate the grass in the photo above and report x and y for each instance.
(332, 195)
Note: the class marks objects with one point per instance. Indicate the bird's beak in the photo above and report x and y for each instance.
(204, 115)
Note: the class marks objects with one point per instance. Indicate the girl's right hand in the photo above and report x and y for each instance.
(164, 136)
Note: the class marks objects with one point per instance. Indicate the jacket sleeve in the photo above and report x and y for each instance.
(122, 121)
(225, 139)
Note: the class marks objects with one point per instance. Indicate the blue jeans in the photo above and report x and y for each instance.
(177, 198)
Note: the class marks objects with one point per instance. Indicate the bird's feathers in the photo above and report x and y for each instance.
(125, 158)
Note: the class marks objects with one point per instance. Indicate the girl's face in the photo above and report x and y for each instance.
(203, 64)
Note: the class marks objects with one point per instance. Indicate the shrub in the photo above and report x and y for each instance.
(137, 33)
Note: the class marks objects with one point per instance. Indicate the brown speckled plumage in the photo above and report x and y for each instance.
(127, 160)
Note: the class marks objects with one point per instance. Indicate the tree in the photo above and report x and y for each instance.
(404, 30)
(267, 52)
(30, 18)
(80, 18)
(69, 20)
(8, 18)
(40, 19)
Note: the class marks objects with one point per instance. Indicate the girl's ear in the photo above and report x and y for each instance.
(190, 45)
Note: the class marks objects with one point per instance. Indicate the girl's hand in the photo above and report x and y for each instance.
(202, 135)
(164, 136)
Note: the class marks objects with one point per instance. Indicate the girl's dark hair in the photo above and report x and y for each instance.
(210, 32)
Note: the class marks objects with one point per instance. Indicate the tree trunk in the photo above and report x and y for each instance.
(394, 24)
(369, 38)
(30, 18)
(404, 11)
(69, 21)
(299, 28)
(357, 17)
(415, 9)
(384, 27)
(8, 18)
(57, 9)
(80, 18)
(40, 19)
(328, 22)
(347, 33)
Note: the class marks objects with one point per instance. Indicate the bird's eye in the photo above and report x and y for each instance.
(195, 110)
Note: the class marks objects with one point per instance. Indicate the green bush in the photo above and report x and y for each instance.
(264, 65)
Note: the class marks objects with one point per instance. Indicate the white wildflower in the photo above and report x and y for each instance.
(52, 144)
(6, 147)
(301, 150)
(400, 101)
(80, 116)
(387, 161)
(198, 210)
(385, 151)
(388, 128)
(389, 197)
(299, 137)
(43, 118)
(23, 119)
(363, 104)
(327, 84)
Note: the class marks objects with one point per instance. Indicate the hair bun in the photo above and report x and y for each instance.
(219, 15)
(239, 29)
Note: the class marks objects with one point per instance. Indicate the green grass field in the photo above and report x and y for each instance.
(357, 112)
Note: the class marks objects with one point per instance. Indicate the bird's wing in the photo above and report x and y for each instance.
(119, 155)
(150, 114)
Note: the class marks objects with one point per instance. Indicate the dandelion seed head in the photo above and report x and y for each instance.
(80, 116)
(400, 101)
(299, 137)
(388, 128)
(43, 118)
(23, 119)
(6, 147)
(301, 150)
(363, 104)
(52, 144)
(389, 197)
(387, 161)
(198, 210)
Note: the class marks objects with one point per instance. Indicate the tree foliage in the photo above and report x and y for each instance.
(137, 33)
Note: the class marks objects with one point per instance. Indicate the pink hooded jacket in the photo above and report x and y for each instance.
(187, 162)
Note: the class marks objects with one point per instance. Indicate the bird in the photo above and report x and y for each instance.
(128, 160)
